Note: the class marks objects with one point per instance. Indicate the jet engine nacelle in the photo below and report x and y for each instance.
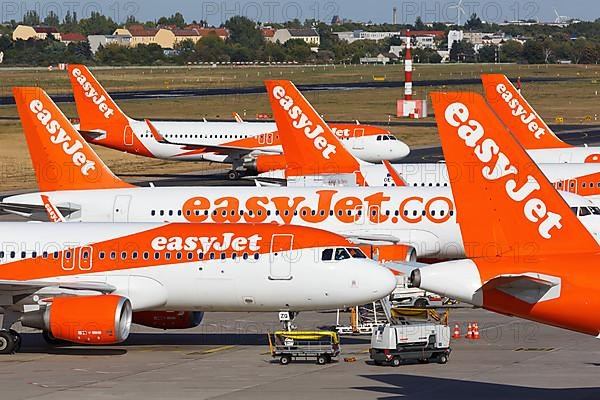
(102, 319)
(168, 319)
(266, 162)
(390, 252)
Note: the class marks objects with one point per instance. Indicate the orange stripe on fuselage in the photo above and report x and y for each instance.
(169, 239)
(268, 139)
(586, 185)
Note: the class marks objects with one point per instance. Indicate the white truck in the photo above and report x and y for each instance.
(421, 342)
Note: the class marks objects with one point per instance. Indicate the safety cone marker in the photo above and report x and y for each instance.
(469, 334)
(475, 330)
(456, 334)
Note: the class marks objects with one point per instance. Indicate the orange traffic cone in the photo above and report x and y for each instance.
(456, 334)
(469, 332)
(475, 330)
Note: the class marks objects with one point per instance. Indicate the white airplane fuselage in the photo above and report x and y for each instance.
(420, 217)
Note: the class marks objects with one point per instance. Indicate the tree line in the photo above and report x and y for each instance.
(578, 43)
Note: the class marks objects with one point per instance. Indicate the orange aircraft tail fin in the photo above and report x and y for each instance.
(61, 158)
(505, 205)
(309, 145)
(516, 113)
(97, 110)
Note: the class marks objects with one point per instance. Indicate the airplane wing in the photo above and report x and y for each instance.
(371, 238)
(92, 135)
(528, 287)
(31, 210)
(23, 287)
(206, 147)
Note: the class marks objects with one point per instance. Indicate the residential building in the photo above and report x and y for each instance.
(142, 35)
(186, 34)
(421, 39)
(103, 40)
(73, 37)
(309, 35)
(381, 58)
(25, 32)
(220, 32)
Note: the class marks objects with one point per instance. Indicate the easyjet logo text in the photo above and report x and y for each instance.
(91, 93)
(341, 133)
(498, 166)
(301, 121)
(227, 241)
(58, 136)
(324, 206)
(526, 117)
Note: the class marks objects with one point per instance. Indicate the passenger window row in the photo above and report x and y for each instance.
(571, 184)
(286, 213)
(206, 136)
(125, 255)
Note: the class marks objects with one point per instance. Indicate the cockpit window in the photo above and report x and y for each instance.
(583, 211)
(386, 137)
(378, 138)
(327, 255)
(356, 252)
(595, 210)
(392, 137)
(574, 209)
(341, 254)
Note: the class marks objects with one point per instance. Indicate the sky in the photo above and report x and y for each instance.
(376, 11)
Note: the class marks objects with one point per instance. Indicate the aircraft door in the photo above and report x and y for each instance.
(374, 216)
(128, 136)
(280, 259)
(359, 139)
(571, 185)
(269, 138)
(359, 215)
(121, 208)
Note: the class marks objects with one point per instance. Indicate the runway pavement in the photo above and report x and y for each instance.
(212, 91)
(227, 358)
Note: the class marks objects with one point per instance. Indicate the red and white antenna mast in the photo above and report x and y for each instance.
(408, 67)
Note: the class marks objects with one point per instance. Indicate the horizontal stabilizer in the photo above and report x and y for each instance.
(528, 287)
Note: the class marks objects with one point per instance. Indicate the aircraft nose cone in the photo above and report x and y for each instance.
(399, 151)
(404, 150)
(377, 282)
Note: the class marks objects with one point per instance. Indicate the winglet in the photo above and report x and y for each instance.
(516, 113)
(309, 145)
(53, 212)
(62, 159)
(398, 181)
(237, 117)
(504, 204)
(155, 133)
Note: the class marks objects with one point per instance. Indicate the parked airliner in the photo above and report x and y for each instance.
(253, 146)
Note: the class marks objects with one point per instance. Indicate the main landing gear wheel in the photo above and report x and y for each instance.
(10, 341)
(233, 175)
